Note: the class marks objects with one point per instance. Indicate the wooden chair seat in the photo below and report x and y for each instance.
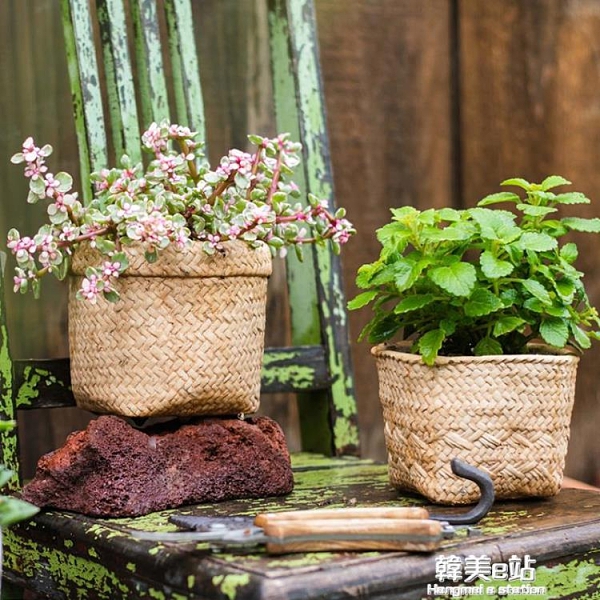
(66, 555)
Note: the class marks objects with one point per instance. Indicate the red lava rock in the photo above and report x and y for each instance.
(114, 470)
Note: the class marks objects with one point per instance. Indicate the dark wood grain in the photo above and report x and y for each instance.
(386, 69)
(529, 107)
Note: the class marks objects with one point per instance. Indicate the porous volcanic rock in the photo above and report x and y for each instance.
(114, 470)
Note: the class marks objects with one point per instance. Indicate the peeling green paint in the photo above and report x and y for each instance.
(92, 552)
(299, 376)
(579, 578)
(67, 570)
(68, 543)
(8, 439)
(191, 581)
(131, 567)
(229, 584)
(300, 110)
(499, 523)
(186, 83)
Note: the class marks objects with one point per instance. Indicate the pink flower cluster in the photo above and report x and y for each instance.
(96, 284)
(34, 158)
(176, 199)
(236, 161)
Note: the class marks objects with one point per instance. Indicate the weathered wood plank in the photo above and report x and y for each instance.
(530, 100)
(301, 275)
(150, 70)
(89, 80)
(295, 20)
(8, 439)
(77, 99)
(119, 79)
(184, 66)
(387, 75)
(47, 383)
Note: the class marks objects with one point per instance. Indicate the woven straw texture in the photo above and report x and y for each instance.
(186, 337)
(508, 415)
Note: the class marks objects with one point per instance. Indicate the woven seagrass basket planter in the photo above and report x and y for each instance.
(186, 337)
(508, 415)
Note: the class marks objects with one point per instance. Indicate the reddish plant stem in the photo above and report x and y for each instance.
(185, 149)
(86, 236)
(255, 164)
(220, 189)
(276, 175)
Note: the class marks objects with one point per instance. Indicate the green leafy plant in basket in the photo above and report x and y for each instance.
(482, 281)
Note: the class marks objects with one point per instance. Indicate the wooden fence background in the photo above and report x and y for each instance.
(429, 103)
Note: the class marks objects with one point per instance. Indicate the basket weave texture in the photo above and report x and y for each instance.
(186, 337)
(508, 415)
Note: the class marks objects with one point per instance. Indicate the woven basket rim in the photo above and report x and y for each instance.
(238, 259)
(390, 350)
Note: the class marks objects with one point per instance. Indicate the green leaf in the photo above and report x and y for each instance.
(365, 273)
(457, 279)
(532, 210)
(493, 267)
(497, 225)
(507, 324)
(396, 233)
(499, 197)
(430, 344)
(414, 302)
(553, 181)
(569, 252)
(448, 326)
(111, 296)
(65, 181)
(362, 299)
(535, 288)
(509, 297)
(517, 181)
(482, 302)
(487, 346)
(383, 328)
(536, 242)
(580, 336)
(554, 331)
(534, 305)
(13, 510)
(566, 289)
(122, 259)
(5, 476)
(579, 224)
(405, 214)
(105, 246)
(571, 198)
(152, 255)
(449, 214)
(37, 186)
(456, 232)
(406, 273)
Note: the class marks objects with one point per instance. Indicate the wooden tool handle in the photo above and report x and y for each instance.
(353, 534)
(374, 512)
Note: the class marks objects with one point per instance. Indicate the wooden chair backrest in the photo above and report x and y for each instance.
(127, 57)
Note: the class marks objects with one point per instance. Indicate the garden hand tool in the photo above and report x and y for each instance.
(370, 528)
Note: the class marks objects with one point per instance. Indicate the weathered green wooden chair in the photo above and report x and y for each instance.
(62, 555)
